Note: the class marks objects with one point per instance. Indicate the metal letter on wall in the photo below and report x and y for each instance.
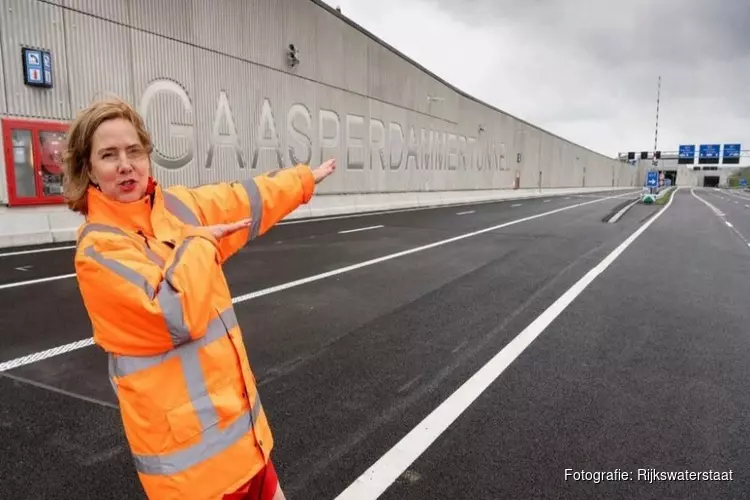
(501, 163)
(425, 148)
(268, 137)
(413, 147)
(355, 144)
(440, 150)
(452, 162)
(330, 141)
(218, 139)
(184, 131)
(472, 150)
(300, 136)
(377, 142)
(462, 153)
(396, 131)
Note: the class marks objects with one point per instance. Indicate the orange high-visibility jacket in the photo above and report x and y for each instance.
(160, 307)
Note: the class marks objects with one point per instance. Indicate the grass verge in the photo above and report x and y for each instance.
(664, 199)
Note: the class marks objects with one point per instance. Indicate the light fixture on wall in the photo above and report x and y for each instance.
(292, 55)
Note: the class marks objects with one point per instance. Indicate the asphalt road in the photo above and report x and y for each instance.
(644, 369)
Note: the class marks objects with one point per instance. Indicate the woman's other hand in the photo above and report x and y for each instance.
(324, 170)
(221, 230)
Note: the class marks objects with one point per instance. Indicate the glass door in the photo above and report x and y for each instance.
(33, 161)
(52, 145)
(21, 173)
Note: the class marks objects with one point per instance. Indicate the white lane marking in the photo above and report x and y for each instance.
(354, 267)
(722, 215)
(718, 212)
(369, 228)
(15, 363)
(414, 209)
(321, 219)
(468, 212)
(737, 195)
(33, 282)
(547, 201)
(375, 480)
(622, 212)
(24, 268)
(49, 353)
(64, 276)
(38, 250)
(516, 205)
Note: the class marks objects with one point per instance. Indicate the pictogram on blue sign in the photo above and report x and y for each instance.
(709, 153)
(37, 67)
(687, 151)
(710, 150)
(687, 154)
(731, 150)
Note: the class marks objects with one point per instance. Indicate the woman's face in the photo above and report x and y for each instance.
(119, 162)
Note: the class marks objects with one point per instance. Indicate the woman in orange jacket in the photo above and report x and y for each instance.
(149, 267)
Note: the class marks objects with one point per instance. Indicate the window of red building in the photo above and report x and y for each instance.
(33, 161)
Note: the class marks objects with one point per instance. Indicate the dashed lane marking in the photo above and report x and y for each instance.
(369, 228)
(384, 472)
(33, 282)
(56, 351)
(38, 250)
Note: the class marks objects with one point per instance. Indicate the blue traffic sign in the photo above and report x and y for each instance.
(653, 179)
(687, 151)
(731, 150)
(37, 67)
(710, 150)
(743, 181)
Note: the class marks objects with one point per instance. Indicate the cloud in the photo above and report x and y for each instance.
(586, 69)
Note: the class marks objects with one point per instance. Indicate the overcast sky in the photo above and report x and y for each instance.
(586, 69)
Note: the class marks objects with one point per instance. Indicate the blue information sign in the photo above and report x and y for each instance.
(687, 151)
(687, 154)
(710, 150)
(743, 182)
(731, 150)
(709, 153)
(47, 66)
(652, 179)
(37, 67)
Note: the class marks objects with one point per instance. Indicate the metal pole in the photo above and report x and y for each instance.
(656, 130)
(654, 161)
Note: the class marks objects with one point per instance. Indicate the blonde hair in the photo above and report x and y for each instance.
(76, 163)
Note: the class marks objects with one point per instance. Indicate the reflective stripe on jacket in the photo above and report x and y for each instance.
(160, 306)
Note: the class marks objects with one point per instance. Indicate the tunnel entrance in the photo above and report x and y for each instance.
(670, 174)
(711, 181)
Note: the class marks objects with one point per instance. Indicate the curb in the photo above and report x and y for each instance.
(622, 212)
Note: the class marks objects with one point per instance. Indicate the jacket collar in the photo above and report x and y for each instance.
(134, 216)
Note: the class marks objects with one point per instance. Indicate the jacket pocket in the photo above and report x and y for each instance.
(192, 419)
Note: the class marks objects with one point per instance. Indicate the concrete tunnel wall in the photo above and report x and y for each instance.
(213, 83)
(687, 176)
